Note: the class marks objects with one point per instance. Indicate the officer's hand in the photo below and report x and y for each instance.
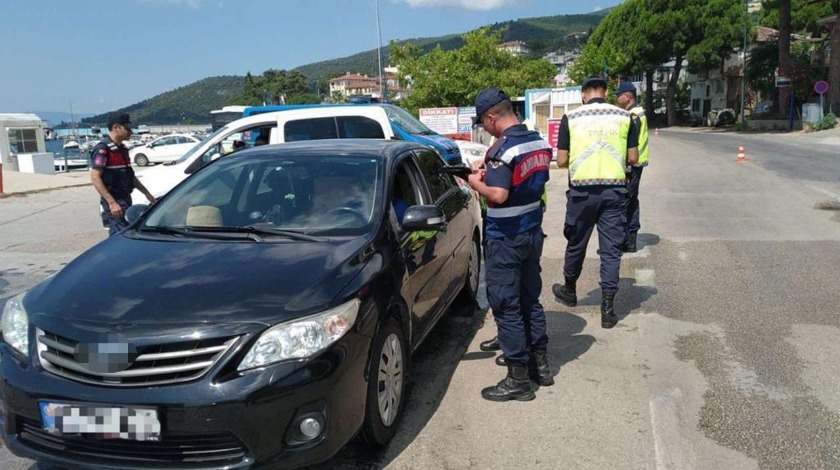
(116, 209)
(476, 178)
(476, 166)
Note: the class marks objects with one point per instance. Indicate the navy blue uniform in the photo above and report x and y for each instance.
(118, 177)
(591, 205)
(519, 162)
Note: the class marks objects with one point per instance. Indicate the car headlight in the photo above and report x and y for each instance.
(301, 338)
(14, 325)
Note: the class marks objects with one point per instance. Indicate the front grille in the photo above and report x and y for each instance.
(184, 451)
(155, 365)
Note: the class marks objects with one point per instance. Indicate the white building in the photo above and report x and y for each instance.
(544, 104)
(515, 47)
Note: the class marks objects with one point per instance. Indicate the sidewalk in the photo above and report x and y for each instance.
(17, 183)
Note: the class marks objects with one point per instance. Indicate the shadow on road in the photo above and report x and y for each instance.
(565, 344)
(432, 368)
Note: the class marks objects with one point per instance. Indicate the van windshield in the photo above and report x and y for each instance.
(408, 122)
(197, 146)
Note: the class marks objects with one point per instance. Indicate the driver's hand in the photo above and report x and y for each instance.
(477, 165)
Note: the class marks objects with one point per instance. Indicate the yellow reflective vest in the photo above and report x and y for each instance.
(639, 112)
(598, 145)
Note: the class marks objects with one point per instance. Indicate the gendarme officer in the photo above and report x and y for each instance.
(597, 142)
(512, 179)
(625, 96)
(112, 175)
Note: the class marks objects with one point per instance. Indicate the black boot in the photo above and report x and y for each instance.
(491, 345)
(538, 368)
(608, 317)
(566, 294)
(500, 360)
(630, 246)
(515, 386)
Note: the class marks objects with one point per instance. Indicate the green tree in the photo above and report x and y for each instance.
(639, 35)
(454, 78)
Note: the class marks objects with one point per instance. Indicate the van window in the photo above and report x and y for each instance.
(310, 129)
(359, 127)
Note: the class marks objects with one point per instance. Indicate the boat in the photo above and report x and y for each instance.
(70, 144)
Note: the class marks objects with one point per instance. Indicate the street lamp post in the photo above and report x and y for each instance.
(744, 51)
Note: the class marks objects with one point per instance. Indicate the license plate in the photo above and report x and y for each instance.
(136, 424)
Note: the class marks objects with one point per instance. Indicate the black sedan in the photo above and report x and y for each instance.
(261, 314)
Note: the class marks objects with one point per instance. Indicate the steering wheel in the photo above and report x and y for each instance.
(339, 211)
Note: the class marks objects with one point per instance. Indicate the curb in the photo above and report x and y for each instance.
(27, 192)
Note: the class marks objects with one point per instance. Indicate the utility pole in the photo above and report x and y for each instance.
(744, 78)
(379, 51)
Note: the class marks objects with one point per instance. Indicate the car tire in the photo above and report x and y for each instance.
(468, 296)
(386, 385)
(141, 160)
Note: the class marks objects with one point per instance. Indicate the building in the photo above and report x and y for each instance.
(515, 47)
(22, 144)
(353, 84)
(563, 61)
(754, 6)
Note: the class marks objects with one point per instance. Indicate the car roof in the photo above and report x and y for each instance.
(312, 112)
(373, 148)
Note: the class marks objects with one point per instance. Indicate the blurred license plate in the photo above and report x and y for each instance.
(137, 424)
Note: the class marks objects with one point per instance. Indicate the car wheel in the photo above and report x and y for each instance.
(386, 385)
(141, 160)
(469, 292)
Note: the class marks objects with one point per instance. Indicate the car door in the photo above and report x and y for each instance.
(425, 252)
(182, 145)
(454, 200)
(158, 149)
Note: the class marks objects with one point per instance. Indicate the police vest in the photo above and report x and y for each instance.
(117, 173)
(528, 157)
(598, 150)
(639, 112)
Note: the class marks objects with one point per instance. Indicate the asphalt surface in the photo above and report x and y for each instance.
(726, 357)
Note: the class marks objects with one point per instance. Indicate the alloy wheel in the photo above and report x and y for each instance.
(390, 379)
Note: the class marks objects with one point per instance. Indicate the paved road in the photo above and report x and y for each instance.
(727, 357)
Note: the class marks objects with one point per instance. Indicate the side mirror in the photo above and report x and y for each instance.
(134, 212)
(215, 156)
(455, 161)
(460, 170)
(423, 218)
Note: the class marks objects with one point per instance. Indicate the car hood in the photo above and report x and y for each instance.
(131, 281)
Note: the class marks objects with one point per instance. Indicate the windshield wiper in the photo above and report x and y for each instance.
(270, 230)
(211, 233)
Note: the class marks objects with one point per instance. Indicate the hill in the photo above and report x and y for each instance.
(193, 103)
(543, 34)
(188, 104)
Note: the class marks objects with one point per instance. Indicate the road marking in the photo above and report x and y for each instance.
(671, 447)
(33, 213)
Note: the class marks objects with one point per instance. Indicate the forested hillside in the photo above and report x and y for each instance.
(192, 103)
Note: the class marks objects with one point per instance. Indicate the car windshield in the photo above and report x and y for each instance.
(407, 121)
(306, 194)
(195, 147)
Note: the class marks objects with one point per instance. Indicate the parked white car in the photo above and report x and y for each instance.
(472, 151)
(163, 149)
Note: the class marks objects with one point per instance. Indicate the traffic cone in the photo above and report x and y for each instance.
(742, 154)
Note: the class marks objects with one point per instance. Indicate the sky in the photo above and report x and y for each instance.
(97, 55)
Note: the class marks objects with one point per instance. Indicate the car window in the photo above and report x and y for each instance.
(325, 194)
(310, 129)
(183, 140)
(359, 127)
(404, 190)
(430, 164)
